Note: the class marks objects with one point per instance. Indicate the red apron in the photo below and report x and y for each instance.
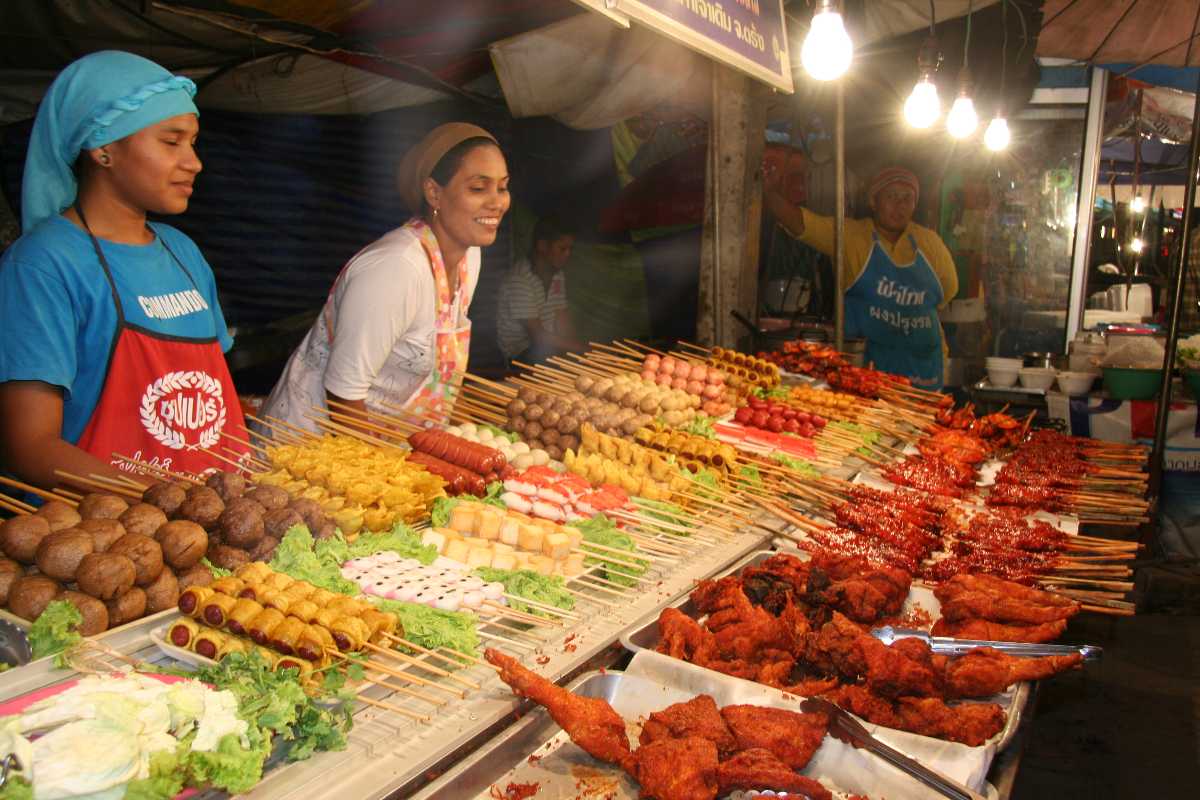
(166, 398)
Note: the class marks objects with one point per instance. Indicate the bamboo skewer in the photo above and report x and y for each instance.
(12, 505)
(34, 490)
(422, 664)
(434, 701)
(96, 485)
(434, 653)
(180, 476)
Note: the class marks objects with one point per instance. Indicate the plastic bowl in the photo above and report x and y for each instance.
(1004, 363)
(1001, 378)
(1038, 377)
(1131, 384)
(1075, 383)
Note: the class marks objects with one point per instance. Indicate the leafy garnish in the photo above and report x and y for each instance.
(217, 572)
(166, 778)
(701, 425)
(601, 530)
(55, 629)
(544, 589)
(432, 628)
(797, 464)
(500, 432)
(750, 474)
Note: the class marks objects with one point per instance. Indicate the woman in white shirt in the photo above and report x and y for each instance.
(394, 330)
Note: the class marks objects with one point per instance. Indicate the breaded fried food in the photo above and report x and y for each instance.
(793, 737)
(697, 717)
(677, 769)
(759, 769)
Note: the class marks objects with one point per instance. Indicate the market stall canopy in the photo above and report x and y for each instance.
(1104, 31)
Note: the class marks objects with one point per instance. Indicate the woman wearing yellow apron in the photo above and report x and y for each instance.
(394, 330)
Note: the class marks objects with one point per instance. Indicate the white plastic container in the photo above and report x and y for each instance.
(1075, 383)
(1002, 377)
(1038, 377)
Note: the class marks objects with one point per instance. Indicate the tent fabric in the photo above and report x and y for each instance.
(1158, 32)
(588, 73)
(897, 17)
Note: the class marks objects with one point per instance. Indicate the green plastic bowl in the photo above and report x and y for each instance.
(1131, 384)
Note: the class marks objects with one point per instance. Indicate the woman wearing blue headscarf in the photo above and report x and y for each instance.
(111, 336)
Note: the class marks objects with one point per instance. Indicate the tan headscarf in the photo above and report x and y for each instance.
(418, 163)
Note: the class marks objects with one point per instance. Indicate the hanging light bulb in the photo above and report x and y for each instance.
(1136, 245)
(1138, 205)
(923, 107)
(997, 137)
(827, 48)
(962, 120)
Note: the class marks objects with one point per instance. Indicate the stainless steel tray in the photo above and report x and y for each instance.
(536, 751)
(644, 636)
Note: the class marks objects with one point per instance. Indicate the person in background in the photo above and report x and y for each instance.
(111, 335)
(394, 332)
(532, 318)
(897, 275)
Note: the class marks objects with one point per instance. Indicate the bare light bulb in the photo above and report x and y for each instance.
(827, 48)
(962, 120)
(1136, 245)
(997, 137)
(1138, 205)
(922, 108)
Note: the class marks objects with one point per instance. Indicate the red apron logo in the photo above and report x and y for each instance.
(184, 410)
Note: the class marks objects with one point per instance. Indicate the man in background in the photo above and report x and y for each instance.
(532, 320)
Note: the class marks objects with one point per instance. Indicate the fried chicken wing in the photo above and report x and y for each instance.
(856, 654)
(681, 637)
(971, 724)
(792, 737)
(697, 717)
(677, 769)
(998, 631)
(590, 722)
(758, 769)
(986, 671)
(862, 592)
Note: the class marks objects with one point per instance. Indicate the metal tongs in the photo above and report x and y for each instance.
(845, 728)
(957, 647)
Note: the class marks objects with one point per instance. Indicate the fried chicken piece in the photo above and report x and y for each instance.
(968, 596)
(697, 717)
(791, 736)
(862, 592)
(986, 671)
(681, 637)
(741, 629)
(999, 632)
(590, 722)
(712, 596)
(784, 569)
(677, 769)
(758, 769)
(841, 646)
(971, 724)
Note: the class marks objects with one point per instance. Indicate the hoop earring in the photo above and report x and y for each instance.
(105, 159)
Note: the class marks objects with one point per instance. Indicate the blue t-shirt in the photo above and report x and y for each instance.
(57, 319)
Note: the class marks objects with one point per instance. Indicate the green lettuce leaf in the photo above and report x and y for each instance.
(166, 778)
(603, 531)
(55, 629)
(797, 464)
(701, 425)
(432, 628)
(218, 572)
(231, 767)
(17, 788)
(750, 474)
(439, 516)
(544, 589)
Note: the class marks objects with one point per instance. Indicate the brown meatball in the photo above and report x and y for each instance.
(94, 613)
(59, 515)
(10, 571)
(145, 553)
(183, 543)
(102, 505)
(532, 430)
(550, 436)
(241, 523)
(203, 506)
(59, 553)
(198, 575)
(534, 412)
(30, 595)
(143, 518)
(20, 536)
(306, 507)
(568, 424)
(568, 442)
(163, 593)
(104, 532)
(229, 485)
(106, 575)
(269, 497)
(276, 523)
(550, 418)
(165, 496)
(126, 607)
(227, 557)
(516, 407)
(265, 549)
